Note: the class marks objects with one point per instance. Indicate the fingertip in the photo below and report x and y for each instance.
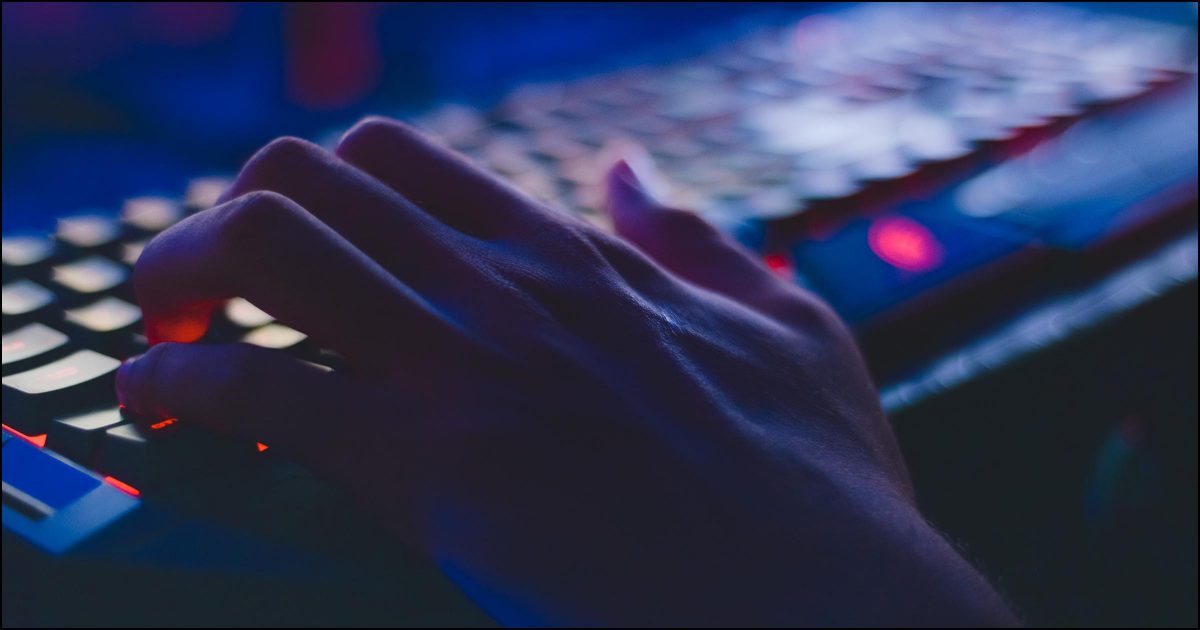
(136, 390)
(126, 381)
(626, 190)
(187, 325)
(368, 129)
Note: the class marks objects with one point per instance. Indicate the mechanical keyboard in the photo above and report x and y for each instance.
(936, 173)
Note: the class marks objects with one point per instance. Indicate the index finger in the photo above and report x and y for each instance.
(267, 249)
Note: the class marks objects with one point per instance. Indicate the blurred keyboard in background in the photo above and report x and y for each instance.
(901, 160)
(935, 172)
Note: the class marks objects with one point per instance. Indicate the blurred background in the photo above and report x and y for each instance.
(106, 100)
(1000, 200)
(102, 100)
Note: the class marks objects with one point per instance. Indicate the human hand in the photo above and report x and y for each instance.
(575, 429)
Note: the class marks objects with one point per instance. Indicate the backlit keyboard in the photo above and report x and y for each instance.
(927, 170)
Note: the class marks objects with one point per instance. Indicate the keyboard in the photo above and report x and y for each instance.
(961, 183)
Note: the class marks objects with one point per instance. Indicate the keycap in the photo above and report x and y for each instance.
(243, 314)
(30, 345)
(75, 383)
(276, 336)
(88, 278)
(202, 192)
(24, 301)
(37, 474)
(132, 250)
(78, 437)
(93, 233)
(167, 452)
(151, 214)
(825, 183)
(26, 255)
(68, 503)
(107, 324)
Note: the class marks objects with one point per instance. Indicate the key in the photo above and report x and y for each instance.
(66, 503)
(107, 324)
(28, 469)
(30, 345)
(166, 452)
(75, 383)
(277, 336)
(243, 314)
(202, 192)
(78, 437)
(150, 214)
(89, 233)
(89, 278)
(131, 251)
(24, 301)
(27, 255)
(234, 321)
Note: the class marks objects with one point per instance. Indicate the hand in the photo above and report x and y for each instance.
(574, 428)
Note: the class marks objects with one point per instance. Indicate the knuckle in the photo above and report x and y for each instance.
(368, 132)
(286, 149)
(807, 312)
(254, 215)
(281, 157)
(236, 382)
(675, 223)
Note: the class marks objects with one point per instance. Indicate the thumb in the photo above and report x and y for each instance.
(683, 241)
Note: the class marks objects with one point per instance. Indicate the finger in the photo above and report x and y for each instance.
(255, 393)
(414, 246)
(267, 249)
(438, 179)
(689, 246)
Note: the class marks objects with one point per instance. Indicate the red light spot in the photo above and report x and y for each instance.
(122, 486)
(261, 447)
(164, 423)
(904, 243)
(36, 440)
(186, 325)
(777, 263)
(14, 345)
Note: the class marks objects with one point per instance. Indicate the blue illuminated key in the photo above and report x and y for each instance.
(54, 504)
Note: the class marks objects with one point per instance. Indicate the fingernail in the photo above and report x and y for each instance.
(125, 380)
(638, 180)
(625, 174)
